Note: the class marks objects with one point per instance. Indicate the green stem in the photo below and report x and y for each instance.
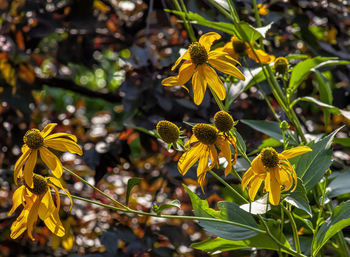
(288, 250)
(218, 101)
(235, 173)
(228, 186)
(294, 228)
(95, 188)
(188, 25)
(168, 216)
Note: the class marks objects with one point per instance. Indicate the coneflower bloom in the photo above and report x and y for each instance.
(37, 202)
(199, 60)
(275, 169)
(35, 142)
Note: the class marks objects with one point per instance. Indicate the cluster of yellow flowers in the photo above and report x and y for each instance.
(34, 193)
(268, 166)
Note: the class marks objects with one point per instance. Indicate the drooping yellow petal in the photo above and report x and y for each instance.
(58, 199)
(290, 170)
(199, 84)
(274, 189)
(29, 167)
(47, 130)
(208, 39)
(226, 153)
(20, 224)
(219, 53)
(33, 216)
(63, 145)
(54, 224)
(258, 166)
(56, 135)
(191, 142)
(16, 199)
(213, 157)
(58, 184)
(288, 154)
(228, 48)
(263, 57)
(214, 82)
(283, 177)
(254, 186)
(247, 177)
(226, 67)
(20, 162)
(185, 56)
(203, 161)
(171, 81)
(52, 162)
(186, 71)
(189, 158)
(47, 206)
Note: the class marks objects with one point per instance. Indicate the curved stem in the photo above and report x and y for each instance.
(95, 188)
(218, 101)
(128, 210)
(188, 25)
(228, 186)
(294, 228)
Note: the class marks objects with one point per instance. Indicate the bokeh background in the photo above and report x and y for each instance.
(94, 67)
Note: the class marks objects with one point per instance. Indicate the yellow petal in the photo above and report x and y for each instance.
(54, 224)
(58, 199)
(254, 187)
(58, 184)
(47, 206)
(190, 142)
(203, 161)
(171, 81)
(288, 154)
(219, 53)
(186, 71)
(29, 167)
(20, 162)
(33, 217)
(47, 130)
(189, 158)
(185, 56)
(63, 145)
(263, 57)
(52, 162)
(55, 135)
(208, 39)
(214, 82)
(16, 199)
(258, 166)
(199, 84)
(227, 68)
(283, 177)
(20, 224)
(247, 177)
(226, 153)
(274, 189)
(213, 157)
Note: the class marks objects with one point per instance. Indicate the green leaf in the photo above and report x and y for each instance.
(260, 241)
(227, 211)
(344, 141)
(296, 56)
(339, 185)
(254, 33)
(311, 166)
(339, 220)
(331, 108)
(299, 199)
(270, 142)
(200, 20)
(326, 94)
(131, 183)
(240, 140)
(158, 209)
(303, 69)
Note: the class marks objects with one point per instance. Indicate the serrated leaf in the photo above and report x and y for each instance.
(299, 199)
(339, 220)
(131, 183)
(227, 211)
(311, 166)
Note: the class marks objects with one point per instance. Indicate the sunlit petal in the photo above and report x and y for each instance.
(208, 39)
(199, 84)
(58, 184)
(214, 82)
(56, 135)
(288, 154)
(64, 145)
(29, 167)
(53, 223)
(263, 57)
(52, 162)
(47, 206)
(189, 158)
(227, 68)
(16, 199)
(254, 187)
(185, 56)
(20, 162)
(47, 130)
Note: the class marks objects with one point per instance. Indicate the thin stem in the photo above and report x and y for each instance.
(218, 101)
(288, 250)
(188, 26)
(294, 228)
(168, 216)
(221, 9)
(235, 173)
(95, 188)
(228, 186)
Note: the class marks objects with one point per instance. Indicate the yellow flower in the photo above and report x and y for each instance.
(238, 48)
(197, 65)
(38, 141)
(37, 201)
(262, 10)
(201, 148)
(275, 169)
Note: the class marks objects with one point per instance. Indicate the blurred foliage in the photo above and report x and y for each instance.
(93, 66)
